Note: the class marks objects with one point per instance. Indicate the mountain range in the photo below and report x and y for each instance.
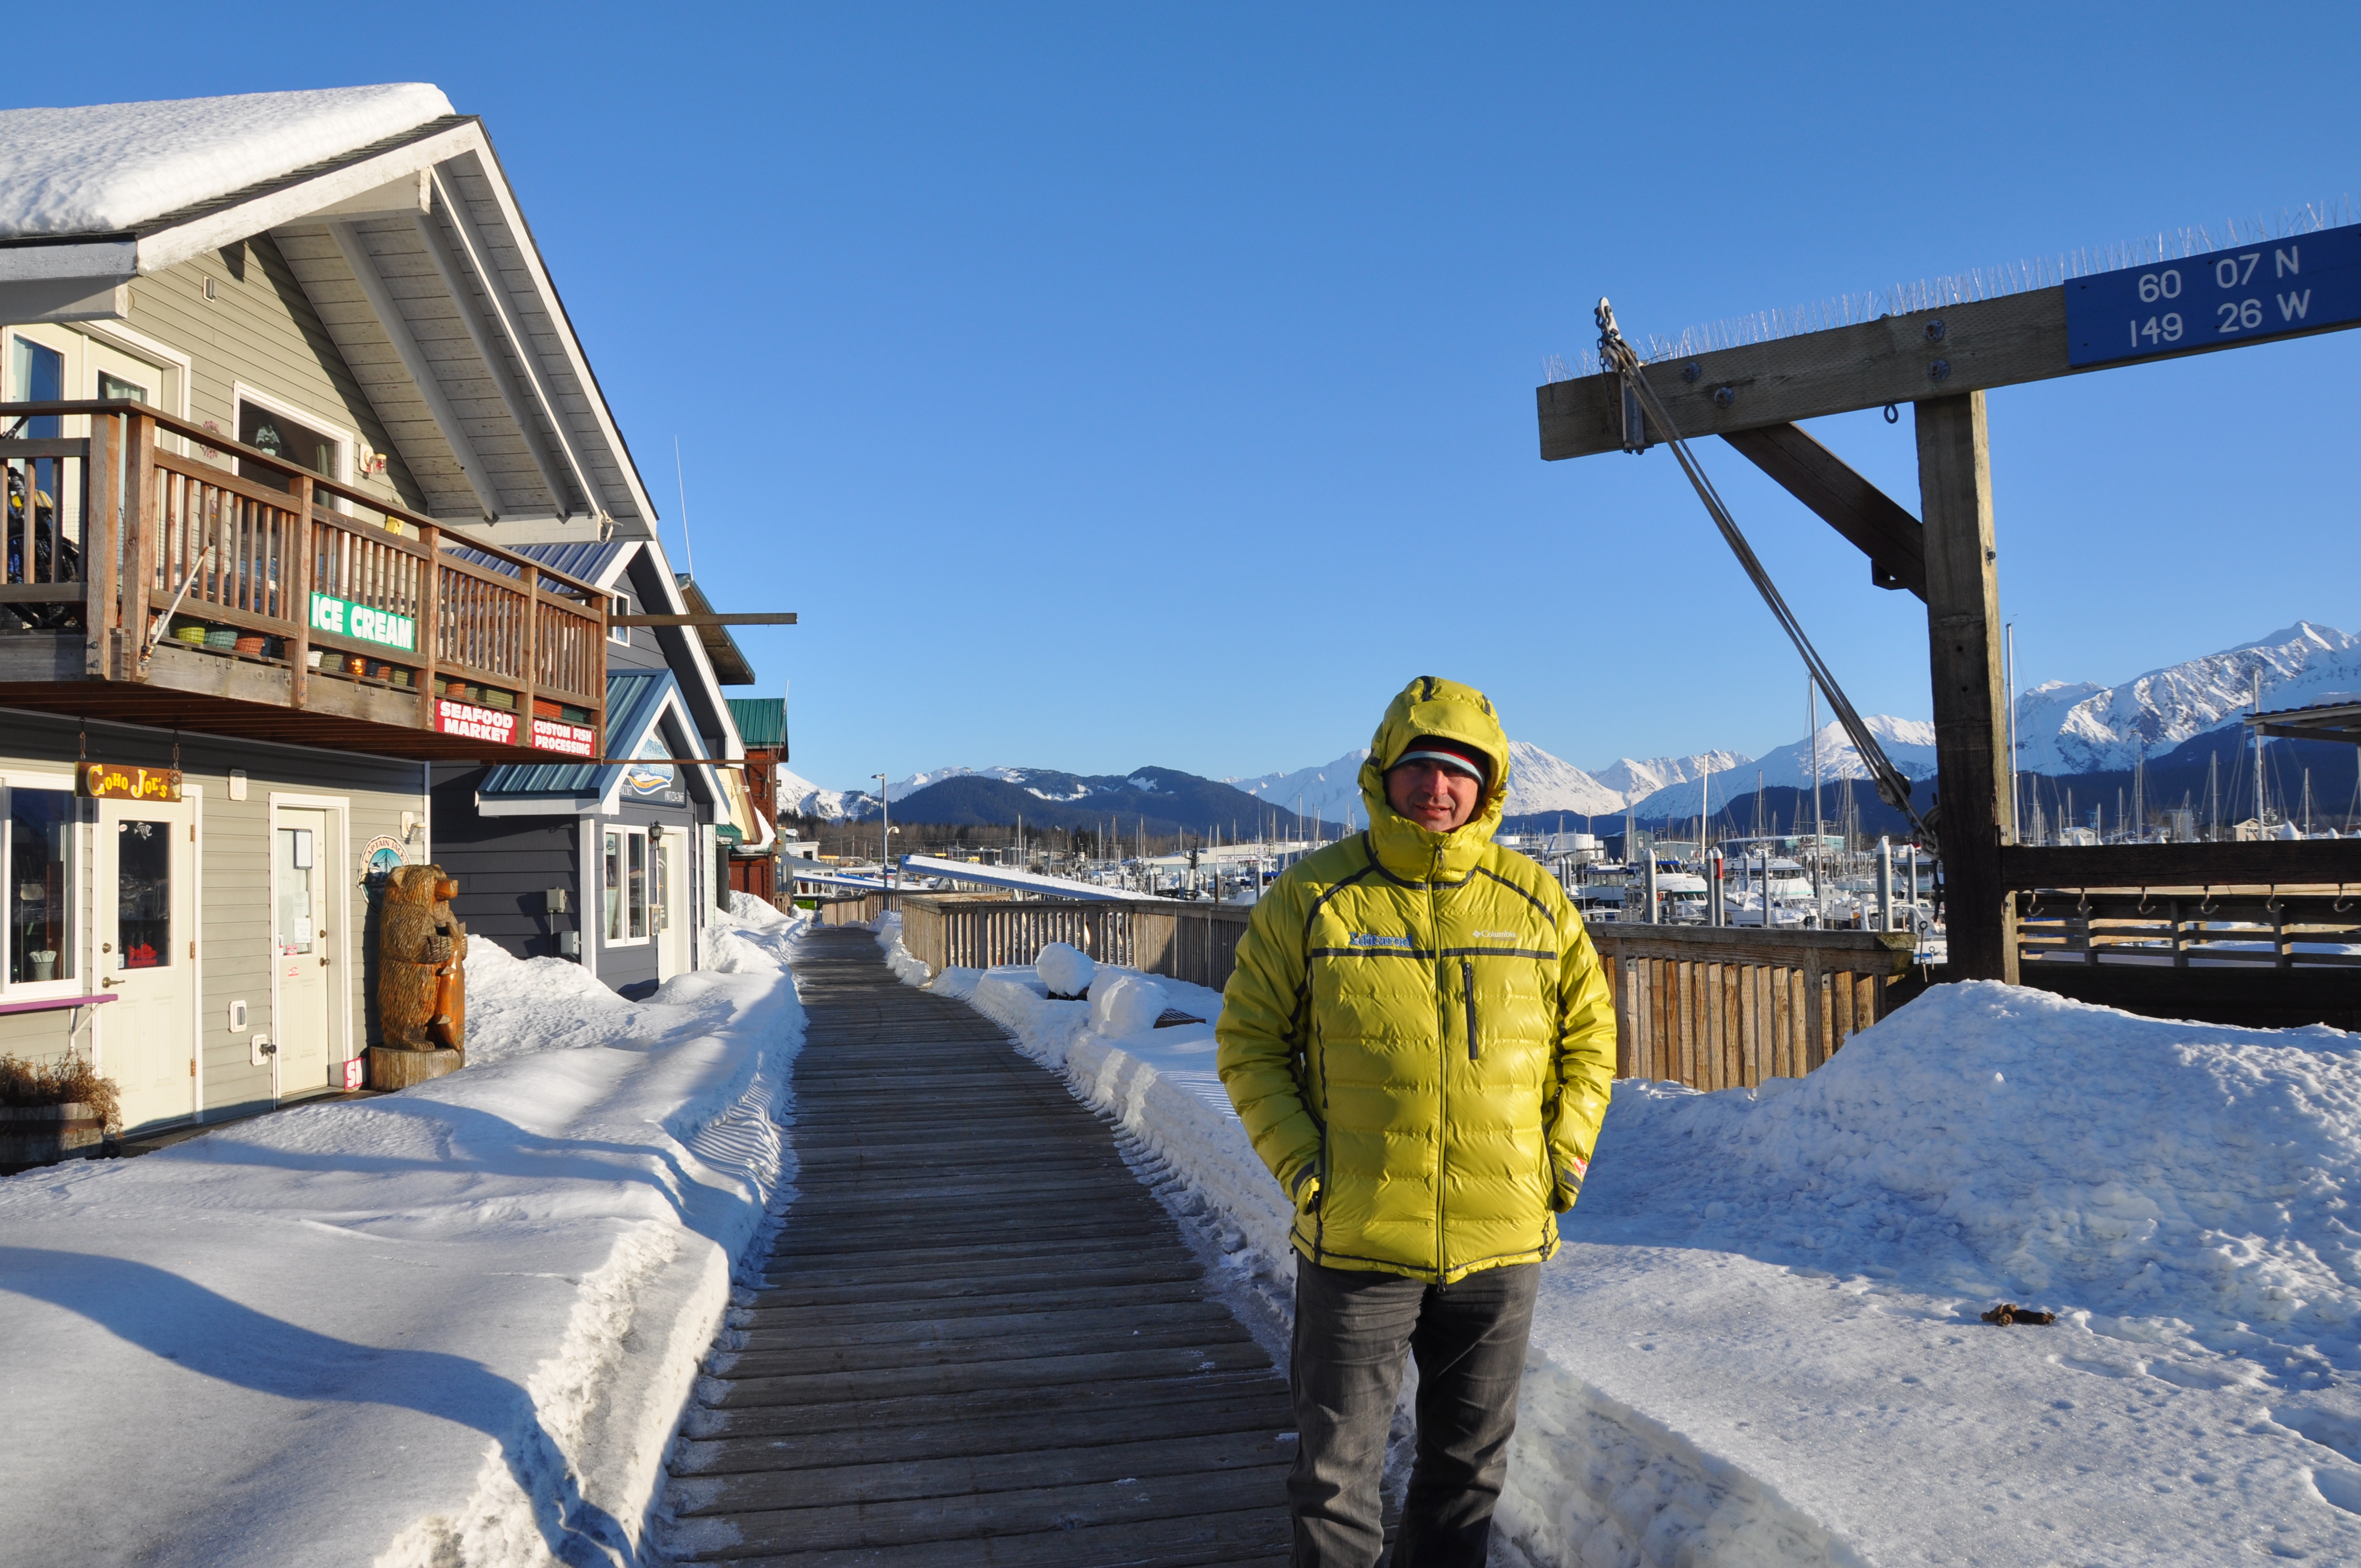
(2063, 729)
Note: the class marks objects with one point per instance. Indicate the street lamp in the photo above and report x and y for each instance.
(886, 833)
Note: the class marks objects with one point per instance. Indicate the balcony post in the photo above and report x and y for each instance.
(141, 524)
(299, 647)
(531, 631)
(430, 623)
(99, 536)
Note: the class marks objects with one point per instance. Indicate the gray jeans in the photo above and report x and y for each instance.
(1352, 1330)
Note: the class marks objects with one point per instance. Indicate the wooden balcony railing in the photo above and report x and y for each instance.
(227, 572)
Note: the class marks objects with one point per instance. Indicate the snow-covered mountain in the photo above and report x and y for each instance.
(1537, 781)
(1540, 782)
(1910, 742)
(1631, 779)
(1329, 791)
(2082, 727)
(798, 796)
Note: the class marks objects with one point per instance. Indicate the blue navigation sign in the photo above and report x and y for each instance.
(2265, 289)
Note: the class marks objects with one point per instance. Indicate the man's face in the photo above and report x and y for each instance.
(1434, 796)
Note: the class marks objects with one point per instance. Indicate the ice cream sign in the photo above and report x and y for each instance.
(363, 624)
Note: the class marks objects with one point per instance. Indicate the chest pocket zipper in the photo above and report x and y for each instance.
(1468, 987)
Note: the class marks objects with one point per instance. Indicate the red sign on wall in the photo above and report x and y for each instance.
(455, 718)
(557, 735)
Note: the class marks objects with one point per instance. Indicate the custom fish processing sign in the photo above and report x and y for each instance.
(364, 624)
(113, 781)
(2265, 289)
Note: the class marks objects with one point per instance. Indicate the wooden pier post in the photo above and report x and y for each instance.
(1970, 698)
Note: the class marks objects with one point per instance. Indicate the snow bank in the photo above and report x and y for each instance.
(1761, 1345)
(105, 168)
(452, 1326)
(1064, 969)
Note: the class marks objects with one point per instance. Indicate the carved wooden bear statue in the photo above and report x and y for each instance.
(422, 986)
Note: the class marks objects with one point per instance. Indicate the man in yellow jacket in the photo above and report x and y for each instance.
(1421, 1043)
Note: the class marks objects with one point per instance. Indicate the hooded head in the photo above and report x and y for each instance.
(1431, 708)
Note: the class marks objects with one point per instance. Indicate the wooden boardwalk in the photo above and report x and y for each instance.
(979, 1338)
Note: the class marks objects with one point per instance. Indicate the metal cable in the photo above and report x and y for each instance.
(1893, 787)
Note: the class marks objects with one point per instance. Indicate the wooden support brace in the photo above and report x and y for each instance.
(1872, 521)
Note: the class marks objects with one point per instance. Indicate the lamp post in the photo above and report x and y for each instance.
(885, 834)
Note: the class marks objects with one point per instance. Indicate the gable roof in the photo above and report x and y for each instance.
(637, 701)
(761, 722)
(399, 224)
(105, 168)
(730, 666)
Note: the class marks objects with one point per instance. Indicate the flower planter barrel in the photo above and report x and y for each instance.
(44, 1134)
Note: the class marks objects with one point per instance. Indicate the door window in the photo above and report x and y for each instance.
(297, 849)
(40, 885)
(143, 893)
(659, 904)
(285, 439)
(114, 386)
(626, 878)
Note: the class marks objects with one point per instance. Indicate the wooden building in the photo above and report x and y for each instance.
(763, 726)
(301, 448)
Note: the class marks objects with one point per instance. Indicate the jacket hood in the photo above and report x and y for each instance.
(1432, 705)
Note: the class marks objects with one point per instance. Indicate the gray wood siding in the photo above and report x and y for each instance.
(261, 329)
(504, 865)
(234, 912)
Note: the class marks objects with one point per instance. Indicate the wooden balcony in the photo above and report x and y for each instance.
(157, 572)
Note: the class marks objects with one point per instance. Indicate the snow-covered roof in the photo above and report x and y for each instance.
(109, 168)
(394, 215)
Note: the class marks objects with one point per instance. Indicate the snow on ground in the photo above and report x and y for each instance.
(453, 1326)
(1760, 1343)
(107, 167)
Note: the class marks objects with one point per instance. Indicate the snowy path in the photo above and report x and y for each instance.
(978, 1338)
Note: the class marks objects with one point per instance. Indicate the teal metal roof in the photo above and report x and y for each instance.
(634, 698)
(760, 720)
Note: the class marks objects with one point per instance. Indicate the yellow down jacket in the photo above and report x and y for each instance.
(1419, 1036)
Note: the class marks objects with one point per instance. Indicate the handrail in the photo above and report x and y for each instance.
(320, 483)
(492, 630)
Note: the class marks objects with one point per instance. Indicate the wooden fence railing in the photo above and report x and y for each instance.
(1712, 1008)
(257, 560)
(1719, 1008)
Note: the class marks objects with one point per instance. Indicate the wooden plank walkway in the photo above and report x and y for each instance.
(979, 1339)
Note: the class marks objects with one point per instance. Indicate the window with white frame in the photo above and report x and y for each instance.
(627, 885)
(42, 844)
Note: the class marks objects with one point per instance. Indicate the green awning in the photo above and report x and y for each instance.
(728, 834)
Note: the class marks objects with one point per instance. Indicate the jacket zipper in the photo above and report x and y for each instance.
(1468, 987)
(1443, 1080)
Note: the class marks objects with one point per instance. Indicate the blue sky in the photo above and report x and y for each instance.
(1119, 386)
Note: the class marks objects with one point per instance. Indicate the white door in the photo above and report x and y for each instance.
(146, 933)
(670, 899)
(303, 984)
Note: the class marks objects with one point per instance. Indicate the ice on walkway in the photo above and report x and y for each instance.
(1761, 1343)
(449, 1326)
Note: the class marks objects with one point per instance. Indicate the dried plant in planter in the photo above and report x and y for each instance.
(69, 1080)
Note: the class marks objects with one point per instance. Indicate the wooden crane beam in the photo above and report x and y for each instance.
(1872, 521)
(1896, 359)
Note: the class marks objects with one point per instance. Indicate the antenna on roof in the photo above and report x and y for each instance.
(680, 477)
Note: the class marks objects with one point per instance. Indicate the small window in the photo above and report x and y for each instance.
(286, 440)
(37, 375)
(638, 872)
(110, 386)
(614, 886)
(620, 605)
(40, 885)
